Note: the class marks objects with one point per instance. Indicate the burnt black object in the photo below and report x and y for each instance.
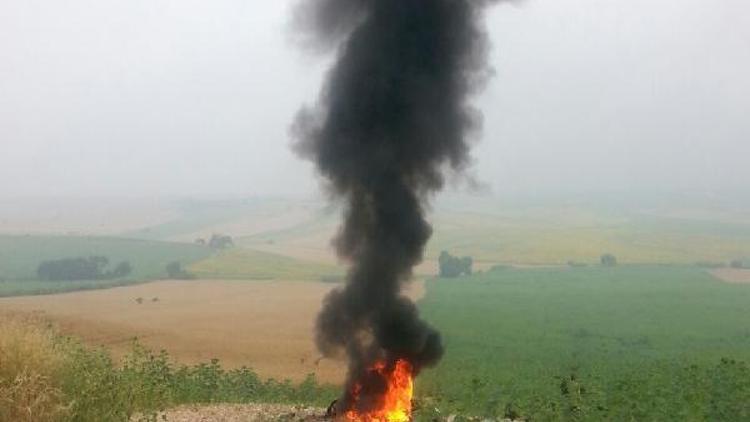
(331, 410)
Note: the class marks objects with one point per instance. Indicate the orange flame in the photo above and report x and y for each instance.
(396, 402)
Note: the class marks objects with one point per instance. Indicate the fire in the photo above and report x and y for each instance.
(396, 401)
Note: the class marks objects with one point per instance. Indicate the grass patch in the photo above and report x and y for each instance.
(30, 364)
(625, 343)
(255, 265)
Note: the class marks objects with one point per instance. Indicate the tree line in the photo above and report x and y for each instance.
(82, 268)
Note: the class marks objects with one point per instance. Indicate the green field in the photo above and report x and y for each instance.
(247, 264)
(21, 255)
(627, 343)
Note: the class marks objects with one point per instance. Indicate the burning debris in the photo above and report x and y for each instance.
(393, 400)
(392, 118)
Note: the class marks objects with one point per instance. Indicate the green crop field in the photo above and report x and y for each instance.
(249, 264)
(625, 343)
(21, 255)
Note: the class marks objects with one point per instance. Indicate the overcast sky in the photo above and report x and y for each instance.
(189, 97)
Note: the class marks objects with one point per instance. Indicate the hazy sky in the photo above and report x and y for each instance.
(188, 97)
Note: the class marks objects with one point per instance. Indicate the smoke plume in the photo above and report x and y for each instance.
(392, 118)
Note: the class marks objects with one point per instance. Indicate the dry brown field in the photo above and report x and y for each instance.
(732, 275)
(267, 326)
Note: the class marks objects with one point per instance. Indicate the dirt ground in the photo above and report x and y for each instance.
(732, 275)
(270, 412)
(244, 413)
(267, 326)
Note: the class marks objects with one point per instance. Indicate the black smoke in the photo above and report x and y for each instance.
(392, 119)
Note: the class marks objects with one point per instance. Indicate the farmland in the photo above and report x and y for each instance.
(514, 337)
(517, 341)
(248, 264)
(267, 325)
(20, 256)
(519, 231)
(635, 239)
(656, 337)
(535, 234)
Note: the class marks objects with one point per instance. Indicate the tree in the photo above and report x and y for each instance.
(91, 268)
(123, 269)
(452, 266)
(737, 264)
(466, 263)
(69, 269)
(219, 242)
(609, 260)
(176, 272)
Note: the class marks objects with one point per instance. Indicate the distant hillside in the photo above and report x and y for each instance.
(21, 255)
(246, 264)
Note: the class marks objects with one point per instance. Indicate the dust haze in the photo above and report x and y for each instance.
(101, 98)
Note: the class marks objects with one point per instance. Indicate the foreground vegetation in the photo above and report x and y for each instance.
(655, 391)
(623, 343)
(21, 256)
(579, 344)
(46, 377)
